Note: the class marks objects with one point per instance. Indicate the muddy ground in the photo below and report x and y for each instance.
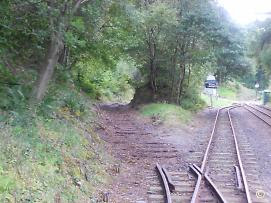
(138, 143)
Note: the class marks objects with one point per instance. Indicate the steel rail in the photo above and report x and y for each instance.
(210, 142)
(264, 107)
(239, 158)
(165, 183)
(169, 180)
(215, 189)
(197, 188)
(211, 138)
(268, 115)
(198, 172)
(257, 115)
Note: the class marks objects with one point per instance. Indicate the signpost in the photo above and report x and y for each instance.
(257, 88)
(211, 87)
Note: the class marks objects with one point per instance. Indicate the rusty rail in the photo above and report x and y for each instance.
(245, 106)
(165, 183)
(215, 189)
(169, 180)
(259, 110)
(200, 172)
(239, 158)
(197, 188)
(202, 169)
(264, 107)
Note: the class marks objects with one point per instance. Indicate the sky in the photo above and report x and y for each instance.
(246, 11)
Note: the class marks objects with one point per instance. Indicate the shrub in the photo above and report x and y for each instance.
(192, 100)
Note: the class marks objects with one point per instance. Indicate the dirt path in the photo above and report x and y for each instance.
(138, 145)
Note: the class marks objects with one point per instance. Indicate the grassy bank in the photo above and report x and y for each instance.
(166, 112)
(52, 154)
(230, 93)
(217, 102)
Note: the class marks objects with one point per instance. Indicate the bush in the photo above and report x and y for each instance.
(105, 83)
(62, 96)
(192, 100)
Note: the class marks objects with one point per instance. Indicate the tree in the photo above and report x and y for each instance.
(259, 49)
(183, 39)
(60, 15)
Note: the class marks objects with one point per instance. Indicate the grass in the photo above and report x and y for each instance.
(230, 93)
(217, 102)
(167, 112)
(52, 156)
(227, 92)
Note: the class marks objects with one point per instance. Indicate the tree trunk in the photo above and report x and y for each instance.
(63, 56)
(183, 90)
(54, 49)
(48, 66)
(152, 56)
(153, 76)
(180, 83)
(173, 74)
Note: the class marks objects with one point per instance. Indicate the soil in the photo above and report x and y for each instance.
(138, 143)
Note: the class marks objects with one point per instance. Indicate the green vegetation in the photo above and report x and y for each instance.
(59, 57)
(53, 153)
(230, 93)
(217, 102)
(109, 49)
(167, 112)
(259, 49)
(236, 92)
(227, 92)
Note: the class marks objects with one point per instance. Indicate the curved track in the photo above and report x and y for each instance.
(227, 172)
(221, 163)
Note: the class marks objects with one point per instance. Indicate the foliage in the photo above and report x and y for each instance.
(167, 112)
(192, 100)
(217, 102)
(258, 39)
(49, 155)
(105, 83)
(173, 43)
(74, 50)
(228, 92)
(202, 40)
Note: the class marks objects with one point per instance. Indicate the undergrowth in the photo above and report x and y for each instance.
(50, 152)
(229, 90)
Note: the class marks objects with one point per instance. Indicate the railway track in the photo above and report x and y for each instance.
(261, 112)
(227, 172)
